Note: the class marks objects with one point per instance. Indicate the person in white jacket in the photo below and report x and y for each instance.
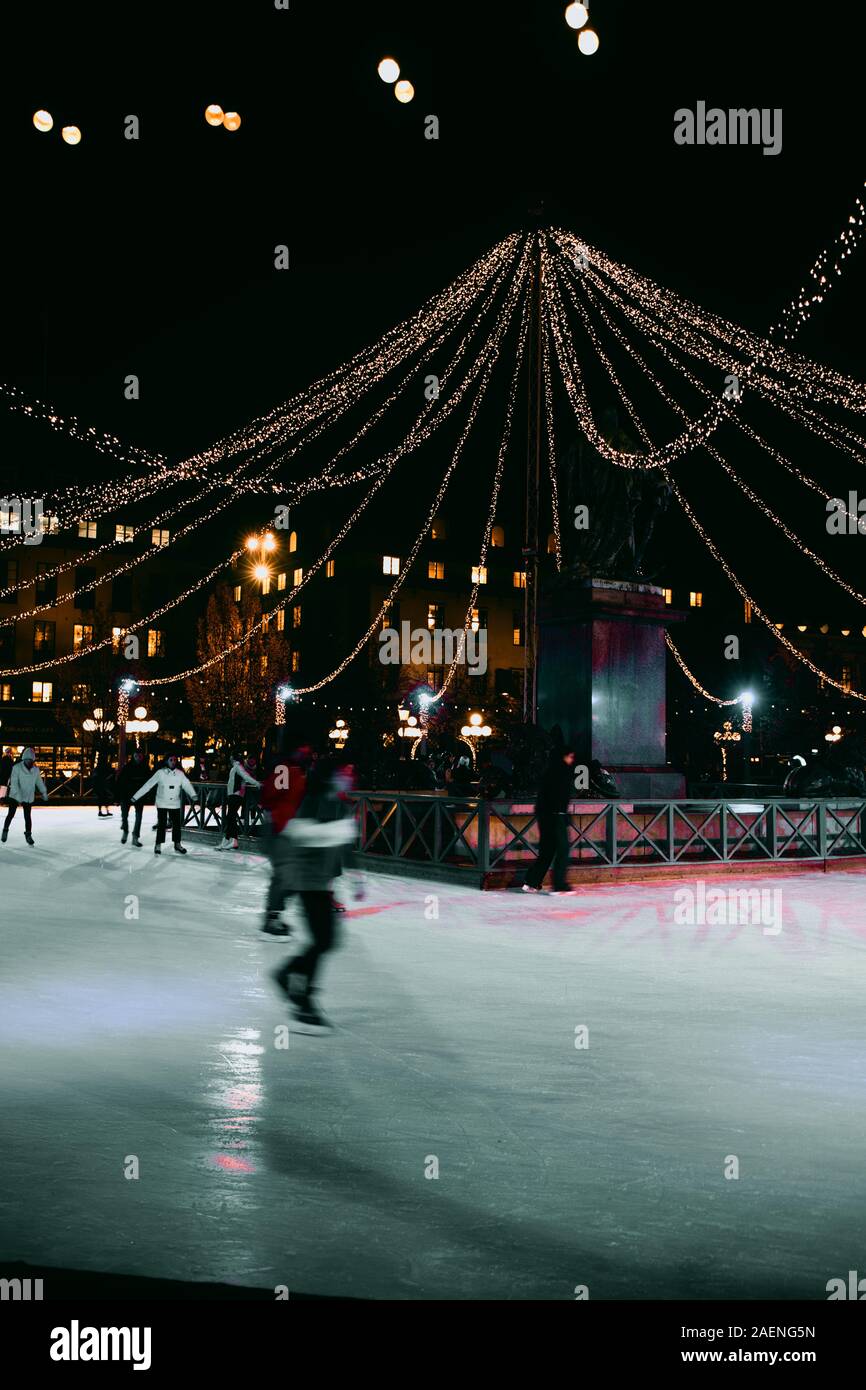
(238, 780)
(171, 782)
(24, 783)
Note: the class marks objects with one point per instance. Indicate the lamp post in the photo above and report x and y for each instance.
(474, 731)
(126, 688)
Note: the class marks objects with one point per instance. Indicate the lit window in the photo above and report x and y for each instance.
(6, 693)
(116, 638)
(497, 536)
(160, 536)
(847, 678)
(80, 694)
(49, 525)
(747, 611)
(517, 637)
(551, 544)
(436, 569)
(82, 636)
(43, 692)
(435, 615)
(478, 619)
(669, 595)
(281, 619)
(293, 541)
(296, 615)
(390, 564)
(296, 661)
(43, 638)
(518, 579)
(124, 533)
(263, 662)
(266, 585)
(266, 622)
(479, 574)
(155, 642)
(437, 530)
(696, 599)
(87, 530)
(329, 569)
(237, 593)
(297, 578)
(281, 581)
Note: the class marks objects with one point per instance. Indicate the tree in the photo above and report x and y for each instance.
(232, 700)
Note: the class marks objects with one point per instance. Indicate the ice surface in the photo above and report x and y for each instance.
(455, 1040)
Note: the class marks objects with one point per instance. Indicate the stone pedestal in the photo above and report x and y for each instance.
(602, 664)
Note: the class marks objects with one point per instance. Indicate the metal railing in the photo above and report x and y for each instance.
(209, 810)
(465, 832)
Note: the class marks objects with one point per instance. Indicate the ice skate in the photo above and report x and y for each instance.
(124, 837)
(527, 888)
(28, 838)
(137, 842)
(273, 925)
(307, 1019)
(157, 849)
(179, 849)
(5, 835)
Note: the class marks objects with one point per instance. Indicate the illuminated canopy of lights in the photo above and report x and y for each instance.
(582, 290)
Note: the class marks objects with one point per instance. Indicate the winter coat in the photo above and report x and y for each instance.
(282, 803)
(319, 836)
(555, 790)
(6, 765)
(238, 773)
(133, 776)
(25, 782)
(170, 785)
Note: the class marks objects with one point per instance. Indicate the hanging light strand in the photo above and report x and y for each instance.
(494, 501)
(753, 497)
(417, 435)
(693, 678)
(489, 357)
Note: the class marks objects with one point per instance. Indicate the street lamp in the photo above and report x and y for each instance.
(389, 70)
(339, 734)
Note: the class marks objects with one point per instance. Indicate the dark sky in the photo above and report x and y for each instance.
(156, 256)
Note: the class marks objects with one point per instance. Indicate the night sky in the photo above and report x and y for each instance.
(156, 256)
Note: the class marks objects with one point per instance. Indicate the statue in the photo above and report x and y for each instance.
(622, 509)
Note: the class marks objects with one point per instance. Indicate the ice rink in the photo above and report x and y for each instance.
(581, 1073)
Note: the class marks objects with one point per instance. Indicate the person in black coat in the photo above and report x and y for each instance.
(6, 763)
(134, 775)
(555, 792)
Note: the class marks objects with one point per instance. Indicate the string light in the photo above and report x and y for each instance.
(337, 392)
(693, 678)
(488, 357)
(494, 502)
(714, 453)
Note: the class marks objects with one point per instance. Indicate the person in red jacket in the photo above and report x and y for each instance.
(282, 793)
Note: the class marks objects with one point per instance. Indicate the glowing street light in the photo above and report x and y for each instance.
(43, 120)
(231, 120)
(587, 41)
(576, 16)
(404, 91)
(214, 115)
(389, 70)
(261, 572)
(71, 134)
(270, 541)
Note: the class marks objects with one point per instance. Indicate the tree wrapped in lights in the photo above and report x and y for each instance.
(232, 696)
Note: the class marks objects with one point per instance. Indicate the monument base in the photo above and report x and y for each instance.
(602, 676)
